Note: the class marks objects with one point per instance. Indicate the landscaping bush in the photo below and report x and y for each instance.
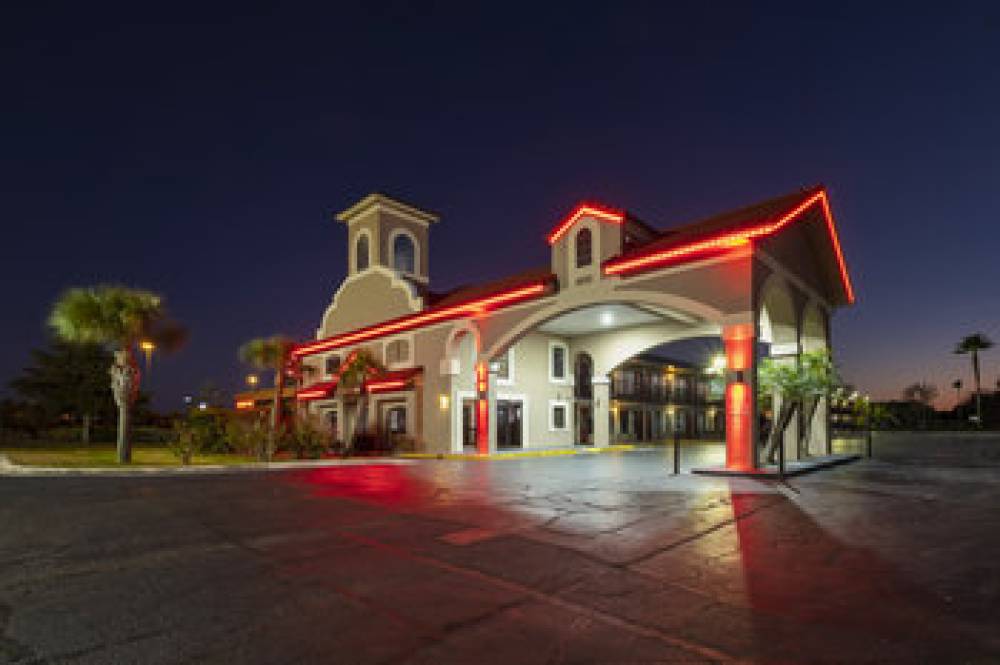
(245, 436)
(211, 431)
(307, 440)
(187, 440)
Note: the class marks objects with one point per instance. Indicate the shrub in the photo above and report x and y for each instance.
(245, 436)
(186, 441)
(307, 440)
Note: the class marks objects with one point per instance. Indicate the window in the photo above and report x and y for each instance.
(404, 254)
(557, 361)
(361, 253)
(558, 420)
(332, 365)
(583, 248)
(397, 352)
(395, 420)
(504, 366)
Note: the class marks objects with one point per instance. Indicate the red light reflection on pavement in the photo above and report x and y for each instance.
(384, 484)
(796, 571)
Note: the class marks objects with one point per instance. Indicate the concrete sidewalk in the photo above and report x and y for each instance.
(8, 468)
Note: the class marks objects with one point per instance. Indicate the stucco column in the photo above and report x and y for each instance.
(739, 342)
(492, 401)
(486, 408)
(601, 405)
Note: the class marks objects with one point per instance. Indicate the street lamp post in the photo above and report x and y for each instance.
(147, 348)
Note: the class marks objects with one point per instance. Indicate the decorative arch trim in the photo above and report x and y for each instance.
(413, 300)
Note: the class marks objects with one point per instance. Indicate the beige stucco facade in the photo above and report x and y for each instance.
(776, 289)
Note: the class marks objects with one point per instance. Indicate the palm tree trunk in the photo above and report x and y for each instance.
(809, 411)
(979, 401)
(125, 387)
(777, 435)
(279, 388)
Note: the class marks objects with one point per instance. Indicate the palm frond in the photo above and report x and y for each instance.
(267, 352)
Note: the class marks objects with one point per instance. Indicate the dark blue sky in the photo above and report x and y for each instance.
(200, 152)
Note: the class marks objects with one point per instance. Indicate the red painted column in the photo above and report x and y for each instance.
(482, 409)
(739, 343)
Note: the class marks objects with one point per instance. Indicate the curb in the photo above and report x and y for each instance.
(8, 468)
(526, 454)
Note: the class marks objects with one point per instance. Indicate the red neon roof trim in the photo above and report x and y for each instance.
(476, 307)
(734, 239)
(394, 380)
(586, 210)
(317, 390)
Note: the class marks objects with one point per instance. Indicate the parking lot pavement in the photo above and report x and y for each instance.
(579, 559)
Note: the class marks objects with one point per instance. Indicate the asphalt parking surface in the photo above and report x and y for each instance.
(584, 559)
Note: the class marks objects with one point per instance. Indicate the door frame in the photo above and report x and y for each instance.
(525, 414)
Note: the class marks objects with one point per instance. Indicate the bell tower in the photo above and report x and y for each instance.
(385, 232)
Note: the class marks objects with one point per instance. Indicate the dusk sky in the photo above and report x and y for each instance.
(202, 153)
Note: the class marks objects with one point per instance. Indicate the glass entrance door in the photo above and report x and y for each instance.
(469, 423)
(585, 425)
(509, 414)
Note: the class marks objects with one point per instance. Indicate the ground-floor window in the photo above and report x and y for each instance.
(333, 422)
(557, 416)
(395, 419)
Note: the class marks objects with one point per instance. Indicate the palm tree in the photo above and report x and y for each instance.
(120, 318)
(359, 366)
(922, 393)
(800, 387)
(273, 353)
(957, 385)
(973, 344)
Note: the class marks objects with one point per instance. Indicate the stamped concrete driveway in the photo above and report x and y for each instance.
(589, 559)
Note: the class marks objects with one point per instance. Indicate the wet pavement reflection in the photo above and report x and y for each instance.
(590, 558)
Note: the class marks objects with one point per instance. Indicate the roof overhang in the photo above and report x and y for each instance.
(396, 206)
(471, 308)
(692, 249)
(322, 390)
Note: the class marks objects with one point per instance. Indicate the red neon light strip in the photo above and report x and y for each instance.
(737, 239)
(585, 209)
(472, 308)
(381, 386)
(832, 228)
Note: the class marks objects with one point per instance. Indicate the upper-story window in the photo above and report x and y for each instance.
(397, 352)
(362, 254)
(557, 361)
(332, 365)
(404, 254)
(583, 248)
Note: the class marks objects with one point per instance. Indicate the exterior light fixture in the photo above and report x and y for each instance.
(443, 402)
(607, 318)
(147, 348)
(718, 365)
(202, 405)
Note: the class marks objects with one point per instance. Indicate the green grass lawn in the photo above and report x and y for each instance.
(105, 456)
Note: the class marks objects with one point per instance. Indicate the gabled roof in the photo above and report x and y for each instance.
(595, 210)
(733, 229)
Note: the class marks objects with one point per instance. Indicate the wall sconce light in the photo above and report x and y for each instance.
(443, 402)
